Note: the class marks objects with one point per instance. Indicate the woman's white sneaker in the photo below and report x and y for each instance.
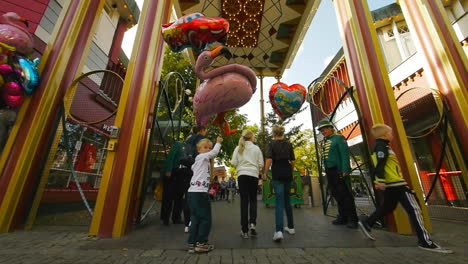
(291, 231)
(278, 236)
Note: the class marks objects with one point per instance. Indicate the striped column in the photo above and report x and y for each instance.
(376, 98)
(444, 59)
(121, 180)
(26, 149)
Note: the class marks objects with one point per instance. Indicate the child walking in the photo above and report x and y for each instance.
(198, 200)
(389, 180)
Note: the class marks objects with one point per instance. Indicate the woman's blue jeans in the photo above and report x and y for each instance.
(282, 202)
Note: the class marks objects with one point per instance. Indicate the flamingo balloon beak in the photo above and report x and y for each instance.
(24, 21)
(221, 50)
(215, 53)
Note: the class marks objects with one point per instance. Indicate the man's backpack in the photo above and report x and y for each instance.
(187, 157)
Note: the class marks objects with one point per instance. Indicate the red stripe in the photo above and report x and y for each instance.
(113, 193)
(24, 131)
(157, 72)
(450, 43)
(380, 88)
(356, 69)
(72, 69)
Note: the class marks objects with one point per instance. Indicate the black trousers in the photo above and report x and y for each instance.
(342, 194)
(248, 197)
(409, 201)
(185, 177)
(168, 196)
(175, 196)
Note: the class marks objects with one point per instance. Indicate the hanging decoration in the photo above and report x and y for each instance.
(18, 75)
(287, 100)
(225, 88)
(194, 31)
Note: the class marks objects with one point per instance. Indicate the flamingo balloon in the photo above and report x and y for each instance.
(225, 88)
(12, 34)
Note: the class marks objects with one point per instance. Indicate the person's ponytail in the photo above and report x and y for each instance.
(246, 135)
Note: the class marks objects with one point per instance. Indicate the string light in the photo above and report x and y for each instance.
(245, 21)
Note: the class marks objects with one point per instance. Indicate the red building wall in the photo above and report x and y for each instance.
(32, 10)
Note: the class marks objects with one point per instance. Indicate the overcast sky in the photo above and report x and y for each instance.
(320, 45)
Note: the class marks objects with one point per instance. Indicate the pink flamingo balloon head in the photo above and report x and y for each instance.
(14, 34)
(225, 88)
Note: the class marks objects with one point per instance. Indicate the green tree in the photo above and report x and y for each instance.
(305, 152)
(292, 134)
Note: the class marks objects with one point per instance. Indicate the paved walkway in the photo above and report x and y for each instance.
(316, 241)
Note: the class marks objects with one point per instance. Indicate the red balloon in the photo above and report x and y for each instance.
(13, 88)
(13, 101)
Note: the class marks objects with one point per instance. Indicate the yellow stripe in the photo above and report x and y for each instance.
(29, 149)
(372, 98)
(449, 67)
(24, 108)
(138, 131)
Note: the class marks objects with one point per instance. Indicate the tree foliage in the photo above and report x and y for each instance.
(292, 134)
(306, 159)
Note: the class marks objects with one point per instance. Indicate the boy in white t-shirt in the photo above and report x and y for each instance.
(198, 200)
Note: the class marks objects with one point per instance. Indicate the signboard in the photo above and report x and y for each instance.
(295, 191)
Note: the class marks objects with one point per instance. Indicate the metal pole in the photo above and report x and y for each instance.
(262, 108)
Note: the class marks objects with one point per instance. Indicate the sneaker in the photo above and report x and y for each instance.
(253, 230)
(186, 229)
(339, 221)
(278, 236)
(291, 231)
(363, 221)
(365, 227)
(435, 248)
(203, 247)
(244, 235)
(191, 248)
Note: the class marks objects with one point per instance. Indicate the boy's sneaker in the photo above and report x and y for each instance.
(191, 248)
(253, 230)
(363, 221)
(278, 236)
(435, 248)
(291, 231)
(244, 235)
(186, 229)
(203, 247)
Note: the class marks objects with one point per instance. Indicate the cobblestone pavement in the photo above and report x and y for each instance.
(316, 241)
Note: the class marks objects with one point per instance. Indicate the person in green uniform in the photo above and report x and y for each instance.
(335, 156)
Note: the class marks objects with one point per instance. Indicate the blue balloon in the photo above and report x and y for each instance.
(30, 73)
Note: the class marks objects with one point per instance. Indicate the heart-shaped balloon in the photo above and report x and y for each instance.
(287, 100)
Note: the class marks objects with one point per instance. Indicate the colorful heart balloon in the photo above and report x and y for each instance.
(287, 100)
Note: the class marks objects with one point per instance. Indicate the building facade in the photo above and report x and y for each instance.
(420, 105)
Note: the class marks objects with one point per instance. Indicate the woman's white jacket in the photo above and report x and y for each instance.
(250, 162)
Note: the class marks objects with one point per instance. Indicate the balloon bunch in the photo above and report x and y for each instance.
(18, 77)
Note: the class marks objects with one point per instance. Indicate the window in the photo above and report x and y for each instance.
(390, 34)
(403, 29)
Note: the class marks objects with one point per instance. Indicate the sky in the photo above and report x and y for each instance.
(321, 43)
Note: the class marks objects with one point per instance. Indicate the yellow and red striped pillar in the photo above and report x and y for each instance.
(25, 151)
(444, 59)
(376, 99)
(121, 180)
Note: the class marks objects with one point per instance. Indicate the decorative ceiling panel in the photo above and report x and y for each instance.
(264, 35)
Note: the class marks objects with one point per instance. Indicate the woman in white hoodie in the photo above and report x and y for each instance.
(248, 161)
